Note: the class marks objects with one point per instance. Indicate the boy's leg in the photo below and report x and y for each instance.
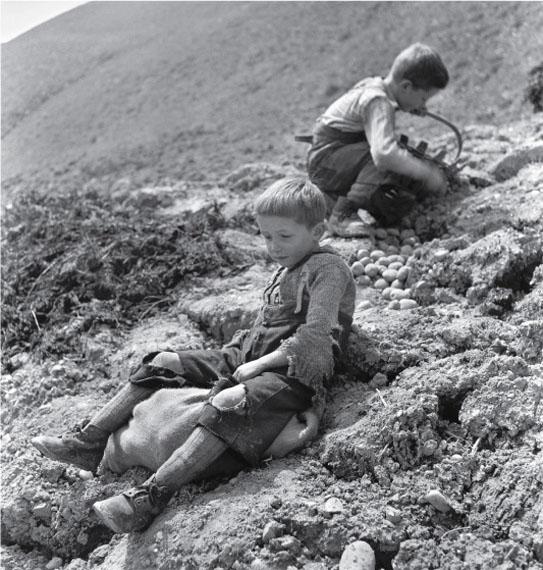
(136, 508)
(248, 417)
(334, 168)
(85, 447)
(386, 196)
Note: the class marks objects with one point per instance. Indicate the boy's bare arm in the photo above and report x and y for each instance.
(388, 155)
(251, 369)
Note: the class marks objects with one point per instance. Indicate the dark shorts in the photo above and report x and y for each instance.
(348, 170)
(265, 406)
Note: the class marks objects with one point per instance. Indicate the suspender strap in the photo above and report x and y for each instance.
(325, 133)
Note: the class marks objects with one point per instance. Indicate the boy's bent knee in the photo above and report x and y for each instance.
(230, 398)
(169, 360)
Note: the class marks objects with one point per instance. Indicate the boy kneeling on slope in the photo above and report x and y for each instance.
(356, 159)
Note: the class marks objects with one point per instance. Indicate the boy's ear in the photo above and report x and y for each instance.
(318, 230)
(406, 84)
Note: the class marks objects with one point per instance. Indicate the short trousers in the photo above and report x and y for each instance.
(268, 403)
(270, 400)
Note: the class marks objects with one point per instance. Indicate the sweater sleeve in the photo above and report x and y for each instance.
(387, 154)
(310, 350)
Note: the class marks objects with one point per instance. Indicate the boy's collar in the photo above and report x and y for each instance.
(390, 94)
(318, 249)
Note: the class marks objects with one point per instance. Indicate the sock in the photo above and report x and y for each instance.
(191, 459)
(118, 410)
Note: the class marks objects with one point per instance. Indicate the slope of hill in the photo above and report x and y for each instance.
(194, 89)
(430, 450)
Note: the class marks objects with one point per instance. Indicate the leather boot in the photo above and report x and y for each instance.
(135, 509)
(83, 448)
(345, 222)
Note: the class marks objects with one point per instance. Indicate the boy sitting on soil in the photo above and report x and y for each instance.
(355, 158)
(276, 369)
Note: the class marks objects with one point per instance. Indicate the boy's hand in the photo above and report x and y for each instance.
(247, 371)
(436, 181)
(311, 419)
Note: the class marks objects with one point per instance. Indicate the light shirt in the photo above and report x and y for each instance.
(370, 107)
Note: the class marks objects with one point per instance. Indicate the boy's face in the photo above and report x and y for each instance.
(410, 98)
(287, 240)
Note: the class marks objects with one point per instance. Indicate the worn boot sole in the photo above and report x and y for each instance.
(42, 447)
(117, 514)
(104, 515)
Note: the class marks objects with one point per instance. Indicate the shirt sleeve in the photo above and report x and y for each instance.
(387, 154)
(310, 351)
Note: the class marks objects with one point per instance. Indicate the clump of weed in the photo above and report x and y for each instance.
(77, 260)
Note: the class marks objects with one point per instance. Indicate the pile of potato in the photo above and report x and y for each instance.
(385, 267)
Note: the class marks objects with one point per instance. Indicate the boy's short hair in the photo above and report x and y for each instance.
(294, 197)
(421, 65)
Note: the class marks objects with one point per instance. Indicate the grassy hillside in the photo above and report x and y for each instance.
(194, 89)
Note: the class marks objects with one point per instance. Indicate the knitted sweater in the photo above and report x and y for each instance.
(322, 287)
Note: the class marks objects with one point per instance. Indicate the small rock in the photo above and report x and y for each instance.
(98, 555)
(364, 305)
(438, 501)
(510, 164)
(20, 359)
(54, 563)
(333, 506)
(357, 556)
(379, 380)
(272, 530)
(85, 475)
(276, 503)
(393, 515)
(42, 510)
(441, 254)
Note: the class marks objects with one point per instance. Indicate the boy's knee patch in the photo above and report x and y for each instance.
(169, 360)
(230, 398)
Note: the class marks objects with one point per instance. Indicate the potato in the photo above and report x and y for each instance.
(403, 273)
(381, 284)
(376, 254)
(357, 268)
(406, 304)
(406, 250)
(371, 270)
(363, 280)
(397, 294)
(390, 275)
(386, 293)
